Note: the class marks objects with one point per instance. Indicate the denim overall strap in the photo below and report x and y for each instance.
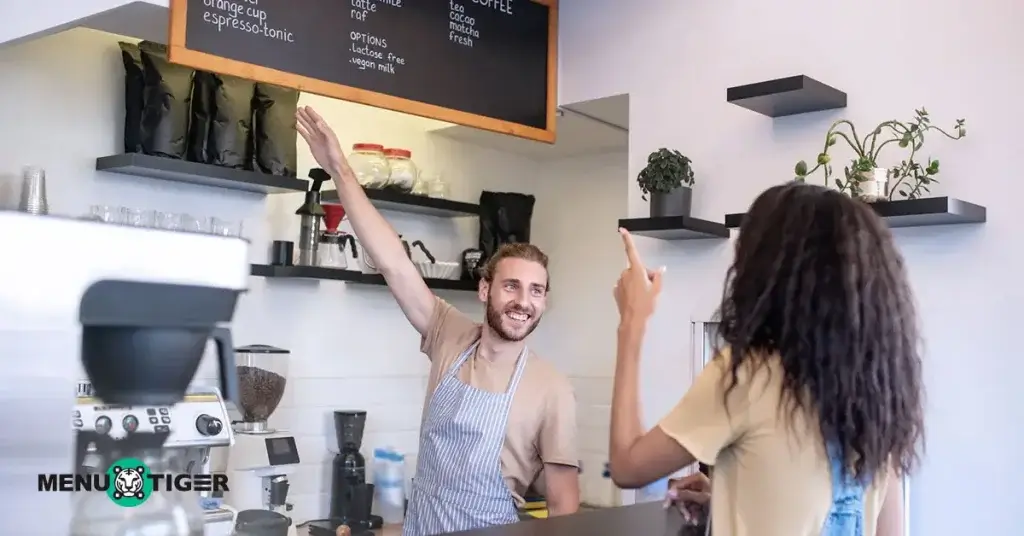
(846, 515)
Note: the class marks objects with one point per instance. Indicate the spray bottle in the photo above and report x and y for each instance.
(311, 213)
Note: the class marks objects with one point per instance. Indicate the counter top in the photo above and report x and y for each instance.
(387, 530)
(648, 519)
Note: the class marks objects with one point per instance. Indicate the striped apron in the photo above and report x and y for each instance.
(458, 484)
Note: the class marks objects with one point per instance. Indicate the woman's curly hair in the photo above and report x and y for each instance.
(818, 282)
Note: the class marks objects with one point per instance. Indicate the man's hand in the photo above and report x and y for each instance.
(638, 288)
(691, 496)
(323, 142)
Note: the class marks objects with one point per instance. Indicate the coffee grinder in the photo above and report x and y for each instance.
(133, 313)
(351, 496)
(261, 458)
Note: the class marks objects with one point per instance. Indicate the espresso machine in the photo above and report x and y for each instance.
(132, 310)
(196, 425)
(262, 457)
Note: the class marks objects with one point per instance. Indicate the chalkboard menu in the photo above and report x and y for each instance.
(489, 64)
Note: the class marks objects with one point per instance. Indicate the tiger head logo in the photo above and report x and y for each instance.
(128, 482)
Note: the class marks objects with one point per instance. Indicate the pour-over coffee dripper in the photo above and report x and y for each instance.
(333, 216)
(332, 241)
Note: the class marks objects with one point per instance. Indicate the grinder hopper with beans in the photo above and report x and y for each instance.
(262, 375)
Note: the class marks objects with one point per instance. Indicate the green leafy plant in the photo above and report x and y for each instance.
(910, 179)
(666, 171)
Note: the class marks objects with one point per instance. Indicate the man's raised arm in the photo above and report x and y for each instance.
(377, 237)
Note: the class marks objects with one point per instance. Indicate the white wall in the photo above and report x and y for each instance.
(676, 60)
(61, 107)
(45, 16)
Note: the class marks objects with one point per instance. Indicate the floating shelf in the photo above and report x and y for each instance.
(787, 96)
(675, 228)
(170, 169)
(351, 276)
(412, 204)
(913, 212)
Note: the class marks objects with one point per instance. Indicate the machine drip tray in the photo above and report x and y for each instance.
(218, 515)
(329, 528)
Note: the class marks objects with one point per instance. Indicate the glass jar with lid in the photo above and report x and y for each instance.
(369, 165)
(403, 171)
(435, 185)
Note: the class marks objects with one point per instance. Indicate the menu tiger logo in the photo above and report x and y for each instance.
(129, 482)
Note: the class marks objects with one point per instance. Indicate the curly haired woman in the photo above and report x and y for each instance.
(812, 411)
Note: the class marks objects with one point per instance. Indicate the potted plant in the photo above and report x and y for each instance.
(667, 179)
(865, 177)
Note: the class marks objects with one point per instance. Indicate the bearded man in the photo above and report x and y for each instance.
(497, 419)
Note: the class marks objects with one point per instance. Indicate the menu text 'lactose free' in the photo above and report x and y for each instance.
(243, 16)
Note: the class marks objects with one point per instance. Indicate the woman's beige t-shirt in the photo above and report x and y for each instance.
(542, 419)
(770, 478)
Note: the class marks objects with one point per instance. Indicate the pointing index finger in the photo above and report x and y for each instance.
(631, 253)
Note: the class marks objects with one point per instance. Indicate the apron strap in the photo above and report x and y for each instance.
(452, 370)
(516, 375)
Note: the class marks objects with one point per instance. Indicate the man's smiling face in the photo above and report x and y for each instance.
(516, 298)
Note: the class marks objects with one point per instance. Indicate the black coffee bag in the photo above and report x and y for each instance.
(222, 118)
(134, 99)
(167, 98)
(274, 134)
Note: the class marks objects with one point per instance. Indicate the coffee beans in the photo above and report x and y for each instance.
(260, 392)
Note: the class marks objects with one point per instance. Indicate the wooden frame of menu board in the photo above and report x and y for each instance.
(180, 54)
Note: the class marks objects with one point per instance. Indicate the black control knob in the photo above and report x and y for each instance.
(103, 425)
(130, 423)
(208, 425)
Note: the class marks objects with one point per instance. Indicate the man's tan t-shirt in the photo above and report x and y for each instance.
(542, 420)
(770, 478)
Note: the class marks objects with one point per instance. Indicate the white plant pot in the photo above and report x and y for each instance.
(874, 185)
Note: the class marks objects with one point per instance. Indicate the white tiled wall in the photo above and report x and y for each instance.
(578, 331)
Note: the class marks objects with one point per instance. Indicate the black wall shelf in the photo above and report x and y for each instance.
(787, 96)
(413, 204)
(913, 212)
(350, 276)
(675, 228)
(170, 169)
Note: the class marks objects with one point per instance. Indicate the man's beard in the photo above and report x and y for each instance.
(494, 319)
